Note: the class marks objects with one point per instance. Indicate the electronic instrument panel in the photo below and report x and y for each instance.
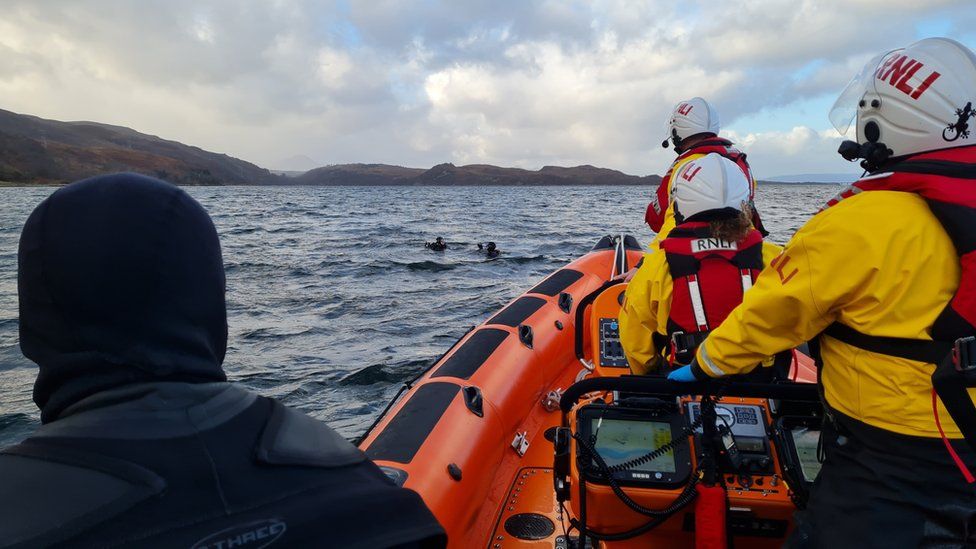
(611, 351)
(759, 483)
(622, 435)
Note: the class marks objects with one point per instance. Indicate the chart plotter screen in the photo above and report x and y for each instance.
(619, 441)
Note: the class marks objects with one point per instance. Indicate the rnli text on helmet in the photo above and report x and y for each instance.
(898, 69)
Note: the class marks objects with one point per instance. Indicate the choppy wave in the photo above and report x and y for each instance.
(333, 300)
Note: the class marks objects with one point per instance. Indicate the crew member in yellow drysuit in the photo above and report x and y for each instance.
(877, 262)
(713, 243)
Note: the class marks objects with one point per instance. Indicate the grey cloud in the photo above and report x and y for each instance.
(503, 81)
(156, 42)
(14, 64)
(395, 23)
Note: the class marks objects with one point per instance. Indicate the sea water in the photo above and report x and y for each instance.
(333, 301)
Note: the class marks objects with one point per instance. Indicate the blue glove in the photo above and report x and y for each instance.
(683, 375)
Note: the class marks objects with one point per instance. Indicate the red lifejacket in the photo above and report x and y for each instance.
(946, 179)
(654, 215)
(709, 278)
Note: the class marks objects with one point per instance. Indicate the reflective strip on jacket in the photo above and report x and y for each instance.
(878, 262)
(646, 308)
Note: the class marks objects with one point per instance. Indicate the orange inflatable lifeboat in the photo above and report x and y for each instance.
(498, 435)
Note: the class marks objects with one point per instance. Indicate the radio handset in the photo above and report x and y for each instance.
(728, 450)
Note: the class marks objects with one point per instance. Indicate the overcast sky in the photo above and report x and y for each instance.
(516, 83)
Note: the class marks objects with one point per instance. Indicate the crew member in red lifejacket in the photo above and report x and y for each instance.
(885, 277)
(708, 262)
(693, 131)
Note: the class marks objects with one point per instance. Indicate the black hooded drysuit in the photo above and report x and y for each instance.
(144, 443)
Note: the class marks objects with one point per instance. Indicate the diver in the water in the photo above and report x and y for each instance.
(438, 245)
(491, 249)
(144, 443)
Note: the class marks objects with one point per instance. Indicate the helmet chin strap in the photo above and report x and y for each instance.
(678, 217)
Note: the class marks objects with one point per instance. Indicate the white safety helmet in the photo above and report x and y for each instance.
(709, 183)
(910, 100)
(689, 118)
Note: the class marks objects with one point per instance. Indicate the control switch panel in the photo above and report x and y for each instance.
(611, 352)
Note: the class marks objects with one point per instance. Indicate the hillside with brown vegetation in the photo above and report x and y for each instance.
(470, 175)
(38, 151)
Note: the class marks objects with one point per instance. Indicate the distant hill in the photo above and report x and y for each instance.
(36, 150)
(473, 174)
(813, 178)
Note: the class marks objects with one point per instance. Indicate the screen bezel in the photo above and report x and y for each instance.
(656, 479)
(790, 456)
(796, 452)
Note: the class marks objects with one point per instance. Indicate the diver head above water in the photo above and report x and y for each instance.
(907, 101)
(121, 281)
(691, 121)
(438, 245)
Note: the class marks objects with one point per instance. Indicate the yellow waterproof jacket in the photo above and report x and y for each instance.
(878, 262)
(647, 305)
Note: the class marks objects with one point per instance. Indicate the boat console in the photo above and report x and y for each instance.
(633, 449)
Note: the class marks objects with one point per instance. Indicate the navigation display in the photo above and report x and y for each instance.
(806, 442)
(619, 441)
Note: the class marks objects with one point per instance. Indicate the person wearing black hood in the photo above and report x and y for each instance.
(144, 442)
